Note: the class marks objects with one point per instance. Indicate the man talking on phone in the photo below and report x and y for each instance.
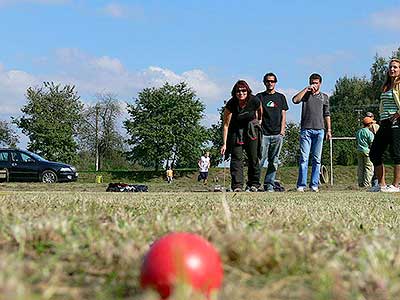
(315, 119)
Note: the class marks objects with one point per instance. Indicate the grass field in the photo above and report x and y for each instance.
(74, 241)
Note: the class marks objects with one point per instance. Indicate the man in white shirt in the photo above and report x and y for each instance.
(204, 165)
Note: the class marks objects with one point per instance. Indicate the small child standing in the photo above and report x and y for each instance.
(364, 137)
(170, 174)
(204, 165)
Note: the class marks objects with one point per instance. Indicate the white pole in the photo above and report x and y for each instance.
(331, 158)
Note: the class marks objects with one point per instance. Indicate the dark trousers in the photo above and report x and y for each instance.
(236, 167)
(387, 135)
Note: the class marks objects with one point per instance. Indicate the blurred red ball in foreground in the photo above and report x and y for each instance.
(181, 258)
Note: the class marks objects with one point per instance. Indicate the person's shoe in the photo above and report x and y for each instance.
(252, 189)
(300, 189)
(390, 189)
(237, 190)
(314, 189)
(375, 189)
(269, 188)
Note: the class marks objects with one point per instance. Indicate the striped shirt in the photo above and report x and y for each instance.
(388, 105)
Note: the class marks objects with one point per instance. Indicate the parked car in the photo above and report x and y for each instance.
(22, 165)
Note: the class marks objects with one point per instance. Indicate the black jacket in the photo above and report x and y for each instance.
(240, 136)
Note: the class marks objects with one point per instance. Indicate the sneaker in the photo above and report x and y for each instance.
(390, 189)
(269, 188)
(314, 189)
(252, 189)
(300, 189)
(237, 190)
(374, 189)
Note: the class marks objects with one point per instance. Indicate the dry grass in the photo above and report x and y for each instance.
(89, 245)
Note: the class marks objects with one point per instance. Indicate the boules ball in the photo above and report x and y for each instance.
(182, 258)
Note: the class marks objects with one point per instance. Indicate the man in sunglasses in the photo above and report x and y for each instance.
(273, 123)
(314, 114)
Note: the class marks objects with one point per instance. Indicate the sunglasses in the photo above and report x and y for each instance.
(244, 91)
(269, 81)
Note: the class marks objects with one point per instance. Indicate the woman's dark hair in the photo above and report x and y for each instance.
(315, 76)
(241, 84)
(388, 84)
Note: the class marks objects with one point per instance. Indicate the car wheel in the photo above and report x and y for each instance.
(49, 176)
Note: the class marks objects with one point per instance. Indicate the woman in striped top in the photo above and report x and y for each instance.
(389, 131)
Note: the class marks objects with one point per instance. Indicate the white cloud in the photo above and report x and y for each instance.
(92, 74)
(13, 85)
(288, 92)
(205, 88)
(387, 19)
(116, 10)
(108, 64)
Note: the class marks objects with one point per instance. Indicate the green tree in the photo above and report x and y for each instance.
(8, 136)
(164, 125)
(215, 138)
(50, 119)
(291, 146)
(98, 131)
(349, 102)
(378, 73)
(351, 99)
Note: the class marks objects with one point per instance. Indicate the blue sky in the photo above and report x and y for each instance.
(122, 47)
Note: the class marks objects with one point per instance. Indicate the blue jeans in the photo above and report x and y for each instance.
(310, 140)
(271, 148)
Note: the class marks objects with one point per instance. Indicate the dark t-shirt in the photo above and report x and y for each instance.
(314, 109)
(272, 104)
(242, 116)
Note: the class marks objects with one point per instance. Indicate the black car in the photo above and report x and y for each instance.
(22, 165)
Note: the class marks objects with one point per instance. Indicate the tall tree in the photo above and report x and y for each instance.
(378, 73)
(215, 138)
(8, 136)
(164, 125)
(98, 132)
(291, 146)
(50, 119)
(350, 101)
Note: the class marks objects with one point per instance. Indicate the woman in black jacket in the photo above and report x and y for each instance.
(242, 119)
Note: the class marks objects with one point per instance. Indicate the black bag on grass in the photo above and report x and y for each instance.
(278, 187)
(124, 187)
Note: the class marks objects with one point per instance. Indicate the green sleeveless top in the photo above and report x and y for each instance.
(388, 105)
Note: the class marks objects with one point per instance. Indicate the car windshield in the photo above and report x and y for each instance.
(35, 156)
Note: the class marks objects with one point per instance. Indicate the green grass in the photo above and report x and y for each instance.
(186, 181)
(332, 245)
(74, 241)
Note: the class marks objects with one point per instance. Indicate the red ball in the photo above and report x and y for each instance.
(181, 257)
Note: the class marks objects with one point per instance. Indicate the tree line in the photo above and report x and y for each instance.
(163, 125)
